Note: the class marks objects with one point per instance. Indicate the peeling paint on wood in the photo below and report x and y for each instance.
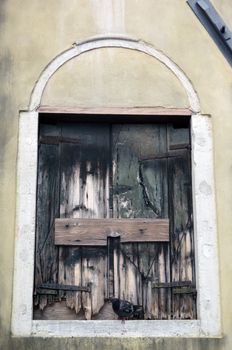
(46, 257)
(181, 228)
(117, 174)
(142, 263)
(80, 232)
(84, 194)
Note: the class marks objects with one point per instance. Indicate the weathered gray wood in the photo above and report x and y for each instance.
(106, 313)
(71, 287)
(175, 151)
(180, 211)
(160, 111)
(113, 267)
(46, 256)
(70, 273)
(150, 181)
(57, 310)
(95, 231)
(93, 274)
(140, 191)
(56, 140)
(84, 194)
(172, 284)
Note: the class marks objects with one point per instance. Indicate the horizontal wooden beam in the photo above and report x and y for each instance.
(170, 154)
(55, 140)
(117, 110)
(95, 231)
(64, 287)
(172, 284)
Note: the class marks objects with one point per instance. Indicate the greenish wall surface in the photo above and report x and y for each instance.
(32, 33)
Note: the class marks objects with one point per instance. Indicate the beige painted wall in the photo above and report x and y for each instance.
(114, 77)
(33, 32)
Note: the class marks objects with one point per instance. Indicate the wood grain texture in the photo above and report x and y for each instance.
(84, 194)
(94, 232)
(180, 211)
(113, 268)
(48, 184)
(117, 110)
(105, 180)
(57, 310)
(140, 191)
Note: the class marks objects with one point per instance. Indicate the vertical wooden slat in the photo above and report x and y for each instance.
(46, 257)
(85, 194)
(139, 191)
(155, 180)
(180, 211)
(113, 273)
(93, 275)
(70, 273)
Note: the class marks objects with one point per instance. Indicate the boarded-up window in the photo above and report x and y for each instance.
(114, 219)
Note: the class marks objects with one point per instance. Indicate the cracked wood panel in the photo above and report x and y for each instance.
(48, 182)
(151, 177)
(180, 213)
(140, 191)
(84, 194)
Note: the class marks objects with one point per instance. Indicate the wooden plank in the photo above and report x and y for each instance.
(178, 136)
(117, 110)
(56, 286)
(55, 140)
(174, 154)
(57, 311)
(48, 187)
(70, 273)
(93, 274)
(113, 270)
(181, 225)
(95, 231)
(185, 290)
(172, 284)
(179, 146)
(150, 181)
(143, 195)
(84, 194)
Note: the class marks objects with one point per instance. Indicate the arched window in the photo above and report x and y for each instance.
(208, 319)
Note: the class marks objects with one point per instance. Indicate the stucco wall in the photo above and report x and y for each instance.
(32, 33)
(94, 78)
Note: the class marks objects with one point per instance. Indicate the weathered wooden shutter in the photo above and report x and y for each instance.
(181, 223)
(120, 171)
(48, 208)
(140, 191)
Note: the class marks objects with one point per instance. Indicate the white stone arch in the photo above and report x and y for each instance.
(99, 42)
(205, 226)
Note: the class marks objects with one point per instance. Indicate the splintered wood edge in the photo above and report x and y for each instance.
(94, 232)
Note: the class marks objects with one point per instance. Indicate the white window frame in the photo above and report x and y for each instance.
(204, 211)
